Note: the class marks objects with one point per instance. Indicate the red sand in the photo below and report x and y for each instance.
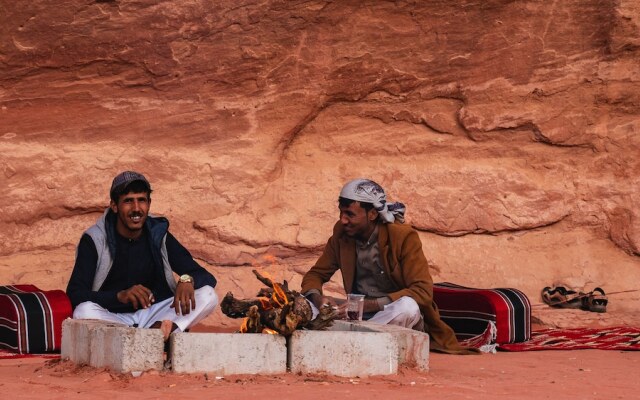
(578, 374)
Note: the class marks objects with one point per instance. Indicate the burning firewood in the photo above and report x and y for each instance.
(252, 322)
(276, 310)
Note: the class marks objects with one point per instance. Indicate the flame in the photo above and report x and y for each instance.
(279, 293)
(243, 326)
(278, 299)
(264, 302)
(269, 262)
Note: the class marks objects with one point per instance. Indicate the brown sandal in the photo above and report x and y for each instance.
(595, 301)
(562, 297)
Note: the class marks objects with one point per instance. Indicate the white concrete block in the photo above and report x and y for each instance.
(343, 353)
(413, 346)
(118, 347)
(228, 353)
(76, 343)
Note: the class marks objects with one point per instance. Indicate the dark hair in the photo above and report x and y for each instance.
(133, 187)
(344, 202)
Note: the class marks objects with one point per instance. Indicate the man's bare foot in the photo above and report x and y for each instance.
(166, 327)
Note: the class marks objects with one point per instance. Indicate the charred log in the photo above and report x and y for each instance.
(253, 323)
(235, 308)
(324, 319)
(276, 308)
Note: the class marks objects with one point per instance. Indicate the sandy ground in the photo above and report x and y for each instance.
(578, 374)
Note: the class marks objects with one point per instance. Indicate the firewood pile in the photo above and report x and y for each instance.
(276, 309)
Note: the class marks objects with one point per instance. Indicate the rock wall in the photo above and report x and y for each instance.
(509, 128)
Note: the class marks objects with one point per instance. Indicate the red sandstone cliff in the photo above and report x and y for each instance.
(510, 130)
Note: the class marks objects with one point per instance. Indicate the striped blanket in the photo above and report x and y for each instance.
(31, 319)
(484, 316)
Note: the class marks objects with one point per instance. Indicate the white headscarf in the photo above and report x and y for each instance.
(367, 191)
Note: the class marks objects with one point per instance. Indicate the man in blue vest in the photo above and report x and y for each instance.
(125, 266)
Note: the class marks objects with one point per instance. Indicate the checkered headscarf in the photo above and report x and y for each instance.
(367, 191)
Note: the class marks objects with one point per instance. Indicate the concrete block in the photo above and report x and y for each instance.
(118, 347)
(413, 346)
(76, 344)
(343, 353)
(228, 353)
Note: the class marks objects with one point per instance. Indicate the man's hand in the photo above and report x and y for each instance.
(185, 300)
(339, 305)
(138, 295)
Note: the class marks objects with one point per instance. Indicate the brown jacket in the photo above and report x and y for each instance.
(403, 261)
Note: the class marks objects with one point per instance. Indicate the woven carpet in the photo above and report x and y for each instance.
(614, 338)
(6, 354)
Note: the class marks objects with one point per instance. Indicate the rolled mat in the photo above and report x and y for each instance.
(31, 319)
(470, 312)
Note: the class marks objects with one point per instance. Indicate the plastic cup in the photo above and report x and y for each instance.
(355, 306)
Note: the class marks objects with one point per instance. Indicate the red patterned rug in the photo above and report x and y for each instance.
(6, 354)
(614, 338)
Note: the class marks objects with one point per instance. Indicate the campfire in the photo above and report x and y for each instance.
(276, 309)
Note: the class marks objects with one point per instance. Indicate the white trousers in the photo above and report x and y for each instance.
(206, 301)
(402, 312)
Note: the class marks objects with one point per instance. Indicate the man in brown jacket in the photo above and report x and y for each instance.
(382, 259)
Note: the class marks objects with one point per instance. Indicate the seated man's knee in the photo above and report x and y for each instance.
(207, 295)
(86, 310)
(408, 307)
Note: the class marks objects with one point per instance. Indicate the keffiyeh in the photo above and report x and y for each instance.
(367, 191)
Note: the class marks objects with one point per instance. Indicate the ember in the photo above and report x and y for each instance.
(276, 309)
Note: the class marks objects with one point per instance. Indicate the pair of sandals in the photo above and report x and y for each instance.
(561, 297)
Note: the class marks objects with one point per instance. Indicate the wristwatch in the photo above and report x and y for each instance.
(185, 279)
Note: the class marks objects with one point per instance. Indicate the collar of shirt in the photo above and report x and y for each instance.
(372, 239)
(123, 239)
